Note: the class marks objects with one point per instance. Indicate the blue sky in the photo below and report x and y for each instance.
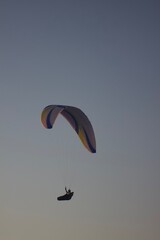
(100, 56)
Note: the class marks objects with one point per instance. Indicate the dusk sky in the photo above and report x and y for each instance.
(104, 58)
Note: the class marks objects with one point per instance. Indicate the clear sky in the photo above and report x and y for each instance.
(103, 57)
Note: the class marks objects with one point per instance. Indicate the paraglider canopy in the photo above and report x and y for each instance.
(77, 119)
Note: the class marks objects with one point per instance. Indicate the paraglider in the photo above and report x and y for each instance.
(67, 196)
(79, 122)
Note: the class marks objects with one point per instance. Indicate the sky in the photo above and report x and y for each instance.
(104, 58)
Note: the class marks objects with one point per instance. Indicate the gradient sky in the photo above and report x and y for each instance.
(103, 57)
